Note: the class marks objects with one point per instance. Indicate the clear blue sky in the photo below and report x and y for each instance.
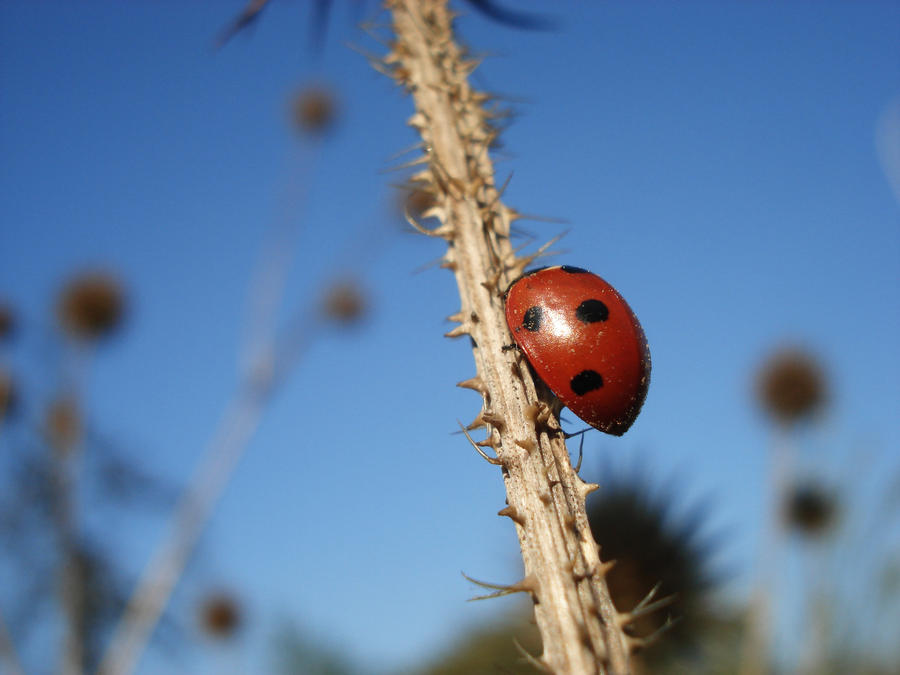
(716, 161)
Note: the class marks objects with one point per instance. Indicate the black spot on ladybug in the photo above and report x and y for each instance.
(590, 311)
(586, 381)
(532, 319)
(572, 270)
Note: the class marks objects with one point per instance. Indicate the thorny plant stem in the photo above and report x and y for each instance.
(580, 628)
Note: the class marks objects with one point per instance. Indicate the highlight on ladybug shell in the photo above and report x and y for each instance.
(582, 339)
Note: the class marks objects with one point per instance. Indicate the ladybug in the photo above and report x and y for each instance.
(582, 339)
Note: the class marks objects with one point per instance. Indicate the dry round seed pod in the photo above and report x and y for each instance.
(810, 509)
(791, 386)
(314, 111)
(91, 306)
(344, 302)
(220, 615)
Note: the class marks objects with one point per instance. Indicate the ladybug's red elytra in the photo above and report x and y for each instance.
(582, 339)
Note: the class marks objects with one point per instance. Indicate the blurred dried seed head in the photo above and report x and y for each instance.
(344, 302)
(8, 394)
(63, 423)
(220, 615)
(314, 111)
(791, 386)
(810, 509)
(91, 306)
(7, 321)
(636, 529)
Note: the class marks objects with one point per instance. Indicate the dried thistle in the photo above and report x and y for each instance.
(314, 111)
(220, 615)
(791, 386)
(810, 509)
(91, 306)
(653, 549)
(344, 302)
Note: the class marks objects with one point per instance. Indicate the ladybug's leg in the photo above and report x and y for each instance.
(509, 347)
(580, 445)
(580, 454)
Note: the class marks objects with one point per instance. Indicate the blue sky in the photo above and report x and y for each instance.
(716, 162)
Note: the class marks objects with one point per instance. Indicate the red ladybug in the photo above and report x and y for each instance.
(584, 342)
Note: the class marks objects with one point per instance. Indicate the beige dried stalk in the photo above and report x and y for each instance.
(580, 628)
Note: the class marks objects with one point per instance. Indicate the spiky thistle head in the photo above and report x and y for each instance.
(91, 306)
(652, 547)
(791, 386)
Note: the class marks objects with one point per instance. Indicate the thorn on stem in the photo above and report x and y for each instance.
(533, 660)
(491, 460)
(527, 584)
(494, 420)
(475, 384)
(459, 331)
(442, 231)
(513, 513)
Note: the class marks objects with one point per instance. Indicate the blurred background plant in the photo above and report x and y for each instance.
(66, 482)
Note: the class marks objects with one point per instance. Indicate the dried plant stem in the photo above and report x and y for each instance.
(757, 647)
(152, 594)
(267, 358)
(581, 631)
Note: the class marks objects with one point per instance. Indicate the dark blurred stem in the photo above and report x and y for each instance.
(70, 590)
(66, 455)
(9, 658)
